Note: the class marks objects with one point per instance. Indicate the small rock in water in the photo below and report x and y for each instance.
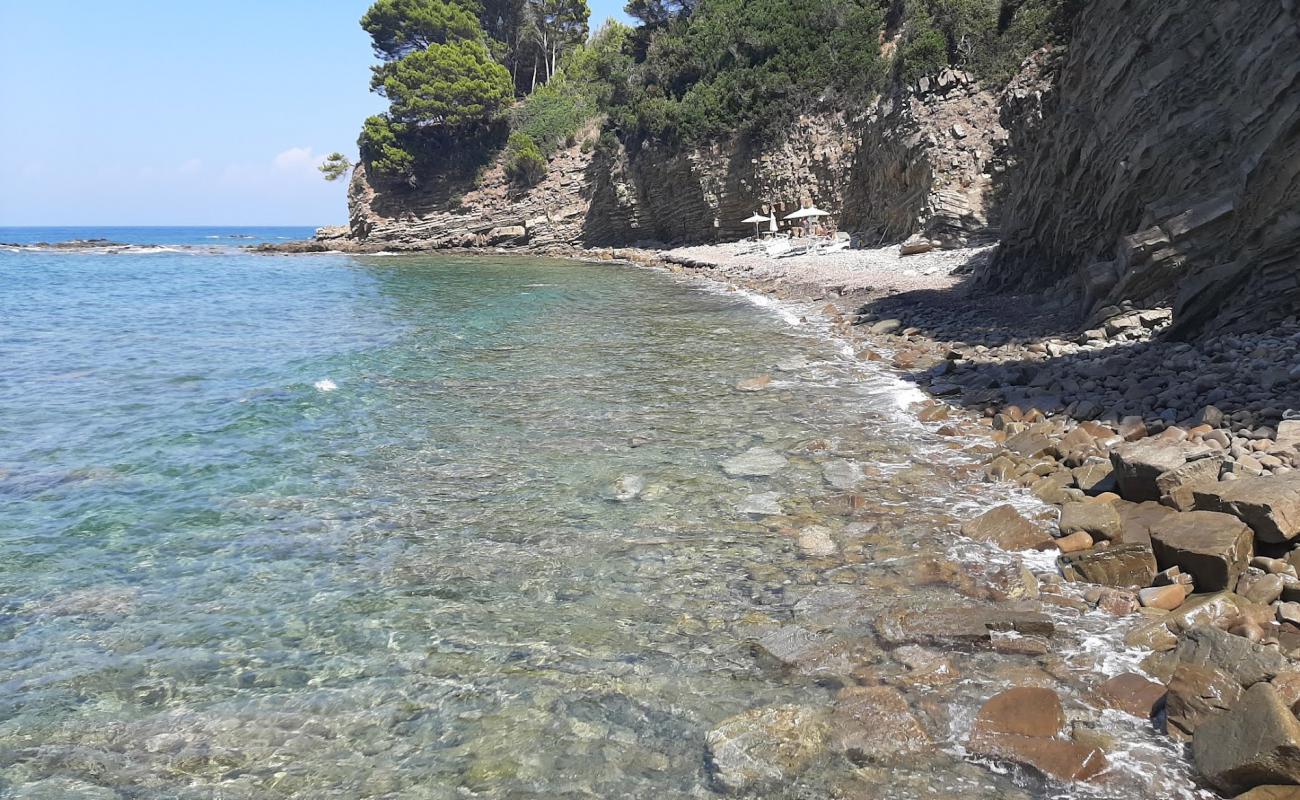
(843, 475)
(764, 503)
(792, 364)
(755, 462)
(816, 542)
(628, 487)
(754, 384)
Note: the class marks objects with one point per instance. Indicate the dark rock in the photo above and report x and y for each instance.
(1246, 662)
(1138, 464)
(1256, 742)
(1196, 693)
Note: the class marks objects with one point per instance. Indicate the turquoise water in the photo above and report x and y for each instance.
(436, 527)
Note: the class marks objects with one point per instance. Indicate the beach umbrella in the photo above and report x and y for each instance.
(757, 219)
(811, 212)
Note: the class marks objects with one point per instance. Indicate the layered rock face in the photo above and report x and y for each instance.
(1164, 165)
(919, 162)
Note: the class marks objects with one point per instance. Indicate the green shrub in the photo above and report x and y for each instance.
(524, 163)
(924, 52)
(384, 151)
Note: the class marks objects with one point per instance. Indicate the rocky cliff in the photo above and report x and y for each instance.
(1163, 163)
(919, 162)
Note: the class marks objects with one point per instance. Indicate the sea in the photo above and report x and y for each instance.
(492, 526)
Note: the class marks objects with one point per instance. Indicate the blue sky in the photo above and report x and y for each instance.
(143, 112)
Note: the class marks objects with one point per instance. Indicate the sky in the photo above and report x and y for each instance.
(144, 112)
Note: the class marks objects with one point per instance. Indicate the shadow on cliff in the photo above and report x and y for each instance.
(649, 195)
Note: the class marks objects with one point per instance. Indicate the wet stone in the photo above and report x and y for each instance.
(1099, 519)
(1005, 527)
(763, 503)
(1245, 661)
(1021, 726)
(1130, 693)
(843, 475)
(1197, 692)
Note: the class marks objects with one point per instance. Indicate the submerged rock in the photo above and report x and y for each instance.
(1022, 725)
(764, 747)
(628, 487)
(1005, 527)
(873, 724)
(843, 475)
(756, 462)
(764, 503)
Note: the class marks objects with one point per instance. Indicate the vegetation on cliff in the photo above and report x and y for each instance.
(466, 78)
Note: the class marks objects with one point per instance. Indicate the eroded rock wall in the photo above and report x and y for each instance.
(1163, 165)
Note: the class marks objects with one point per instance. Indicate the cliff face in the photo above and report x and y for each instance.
(1163, 165)
(920, 162)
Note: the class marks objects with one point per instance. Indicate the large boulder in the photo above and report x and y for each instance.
(1196, 693)
(1005, 527)
(1269, 505)
(1021, 726)
(1138, 464)
(1140, 518)
(1177, 486)
(1255, 743)
(507, 234)
(765, 746)
(1130, 566)
(1098, 519)
(1213, 548)
(1245, 661)
(874, 723)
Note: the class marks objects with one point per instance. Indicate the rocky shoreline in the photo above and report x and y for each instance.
(1172, 467)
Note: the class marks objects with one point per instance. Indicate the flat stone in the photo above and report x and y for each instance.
(966, 628)
(1271, 793)
(1099, 519)
(755, 462)
(1161, 634)
(886, 326)
(875, 724)
(1023, 711)
(1140, 518)
(1005, 527)
(1121, 566)
(842, 475)
(1255, 742)
(764, 503)
(1028, 444)
(764, 746)
(1269, 505)
(1213, 548)
(1130, 693)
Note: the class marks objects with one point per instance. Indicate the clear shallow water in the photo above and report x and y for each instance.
(326, 527)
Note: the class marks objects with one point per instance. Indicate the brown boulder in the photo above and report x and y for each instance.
(1005, 527)
(1020, 726)
(1256, 742)
(1123, 566)
(1099, 519)
(1271, 793)
(1269, 505)
(1138, 464)
(1177, 486)
(1197, 692)
(1213, 548)
(1245, 661)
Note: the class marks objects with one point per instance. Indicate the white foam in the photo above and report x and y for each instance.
(325, 385)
